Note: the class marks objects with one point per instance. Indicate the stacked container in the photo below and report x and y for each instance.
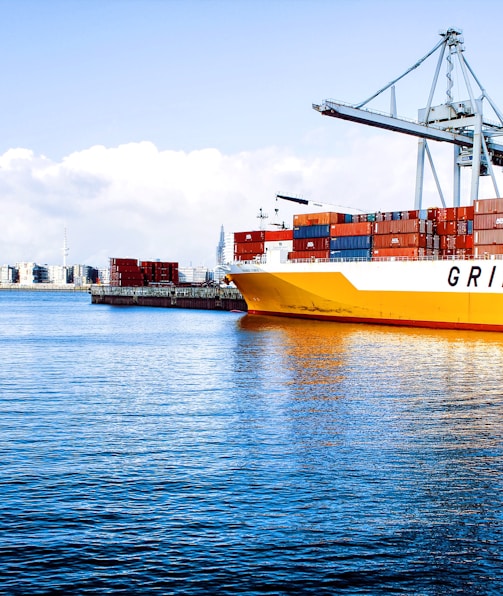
(488, 227)
(311, 234)
(352, 239)
(248, 245)
(159, 272)
(455, 231)
(125, 272)
(409, 237)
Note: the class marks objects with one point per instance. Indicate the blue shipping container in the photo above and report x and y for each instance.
(356, 253)
(317, 231)
(350, 242)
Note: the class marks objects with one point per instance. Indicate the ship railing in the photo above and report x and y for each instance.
(484, 257)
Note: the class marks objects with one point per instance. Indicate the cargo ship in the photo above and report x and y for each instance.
(439, 267)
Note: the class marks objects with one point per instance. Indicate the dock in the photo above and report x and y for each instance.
(203, 298)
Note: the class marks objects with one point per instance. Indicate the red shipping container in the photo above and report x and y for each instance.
(488, 221)
(276, 235)
(314, 219)
(411, 253)
(488, 237)
(447, 214)
(447, 242)
(465, 213)
(256, 236)
(120, 261)
(308, 254)
(446, 228)
(241, 248)
(465, 241)
(361, 228)
(399, 240)
(311, 244)
(404, 226)
(491, 249)
(488, 206)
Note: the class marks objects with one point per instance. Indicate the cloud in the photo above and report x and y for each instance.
(137, 201)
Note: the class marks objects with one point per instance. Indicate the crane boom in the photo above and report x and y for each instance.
(460, 123)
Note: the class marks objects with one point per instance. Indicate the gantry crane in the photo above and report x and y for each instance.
(458, 122)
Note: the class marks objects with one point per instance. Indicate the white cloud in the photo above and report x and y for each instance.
(135, 200)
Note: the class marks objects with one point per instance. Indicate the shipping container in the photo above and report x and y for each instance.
(465, 213)
(350, 242)
(488, 237)
(241, 248)
(355, 253)
(487, 250)
(253, 236)
(404, 226)
(447, 227)
(273, 235)
(363, 228)
(400, 240)
(465, 241)
(322, 218)
(311, 243)
(488, 206)
(488, 221)
(121, 261)
(314, 231)
(446, 214)
(404, 252)
(309, 254)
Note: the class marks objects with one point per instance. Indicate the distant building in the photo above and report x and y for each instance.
(194, 275)
(228, 253)
(58, 274)
(103, 276)
(84, 275)
(31, 273)
(221, 248)
(8, 274)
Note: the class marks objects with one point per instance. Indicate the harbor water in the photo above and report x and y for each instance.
(166, 451)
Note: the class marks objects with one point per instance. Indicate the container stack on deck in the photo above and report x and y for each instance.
(488, 227)
(125, 272)
(458, 232)
(159, 272)
(131, 273)
(248, 245)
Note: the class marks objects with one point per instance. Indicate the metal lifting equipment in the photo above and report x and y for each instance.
(458, 122)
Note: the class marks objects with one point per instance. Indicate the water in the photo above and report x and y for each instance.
(191, 452)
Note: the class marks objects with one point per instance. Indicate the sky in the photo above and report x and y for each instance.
(140, 127)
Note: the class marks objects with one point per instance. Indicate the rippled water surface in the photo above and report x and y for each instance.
(189, 452)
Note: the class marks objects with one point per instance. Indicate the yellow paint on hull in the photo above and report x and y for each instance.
(329, 295)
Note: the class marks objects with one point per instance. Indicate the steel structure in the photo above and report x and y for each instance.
(458, 122)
